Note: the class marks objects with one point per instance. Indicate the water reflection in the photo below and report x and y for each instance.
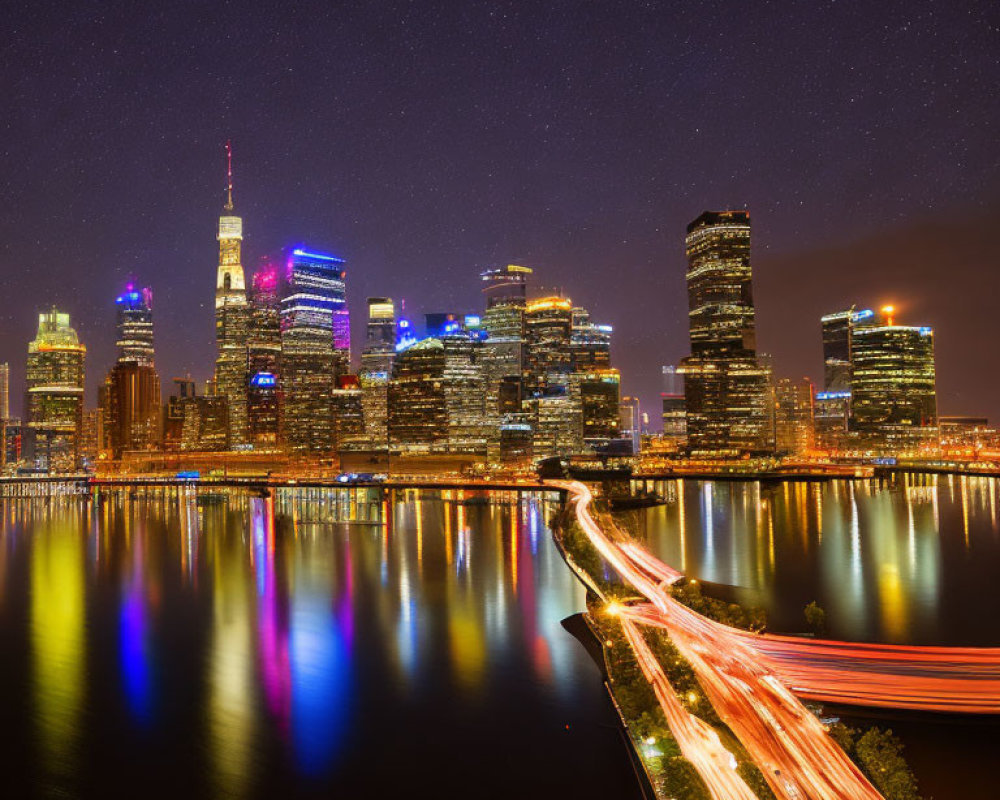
(910, 560)
(301, 628)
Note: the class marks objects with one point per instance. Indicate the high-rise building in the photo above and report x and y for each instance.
(380, 338)
(600, 395)
(174, 411)
(630, 421)
(506, 286)
(348, 414)
(556, 418)
(837, 336)
(376, 367)
(436, 398)
(505, 290)
(589, 344)
(893, 384)
(129, 407)
(5, 391)
(232, 316)
(264, 358)
(55, 387)
(674, 409)
(831, 419)
(548, 360)
(726, 387)
(793, 416)
(313, 306)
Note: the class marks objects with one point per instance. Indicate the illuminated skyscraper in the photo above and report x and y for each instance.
(264, 357)
(548, 360)
(589, 344)
(232, 316)
(600, 396)
(436, 400)
(726, 387)
(505, 290)
(674, 409)
(793, 416)
(348, 414)
(380, 338)
(832, 406)
(55, 386)
(893, 384)
(5, 391)
(130, 404)
(376, 367)
(313, 305)
(837, 330)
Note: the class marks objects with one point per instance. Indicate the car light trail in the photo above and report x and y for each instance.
(796, 756)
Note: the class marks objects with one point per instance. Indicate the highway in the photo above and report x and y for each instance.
(789, 745)
(962, 680)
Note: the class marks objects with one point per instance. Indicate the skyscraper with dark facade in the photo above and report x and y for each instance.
(264, 358)
(313, 305)
(832, 406)
(726, 387)
(131, 400)
(232, 317)
(55, 386)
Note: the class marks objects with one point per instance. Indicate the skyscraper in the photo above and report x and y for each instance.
(837, 330)
(505, 290)
(893, 384)
(376, 367)
(55, 386)
(313, 303)
(232, 316)
(380, 335)
(264, 357)
(726, 387)
(436, 400)
(589, 343)
(832, 406)
(674, 408)
(793, 416)
(131, 400)
(5, 391)
(548, 360)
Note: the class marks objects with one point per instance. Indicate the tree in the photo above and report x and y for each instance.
(880, 754)
(816, 617)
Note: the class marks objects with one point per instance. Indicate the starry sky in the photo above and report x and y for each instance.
(425, 141)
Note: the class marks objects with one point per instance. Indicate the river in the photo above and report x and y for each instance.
(227, 646)
(912, 560)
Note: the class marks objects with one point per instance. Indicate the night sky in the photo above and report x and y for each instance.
(425, 141)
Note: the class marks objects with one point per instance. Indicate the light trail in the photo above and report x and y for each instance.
(796, 756)
(962, 680)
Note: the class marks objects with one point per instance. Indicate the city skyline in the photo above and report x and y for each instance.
(842, 169)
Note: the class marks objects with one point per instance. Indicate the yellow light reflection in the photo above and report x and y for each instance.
(57, 639)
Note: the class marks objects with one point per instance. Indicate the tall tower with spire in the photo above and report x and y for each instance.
(232, 315)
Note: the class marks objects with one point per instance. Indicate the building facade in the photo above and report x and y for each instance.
(726, 386)
(232, 316)
(313, 305)
(54, 396)
(130, 404)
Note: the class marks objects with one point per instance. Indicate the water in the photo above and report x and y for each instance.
(237, 647)
(915, 560)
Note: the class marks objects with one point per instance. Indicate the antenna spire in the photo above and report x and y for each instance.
(229, 175)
